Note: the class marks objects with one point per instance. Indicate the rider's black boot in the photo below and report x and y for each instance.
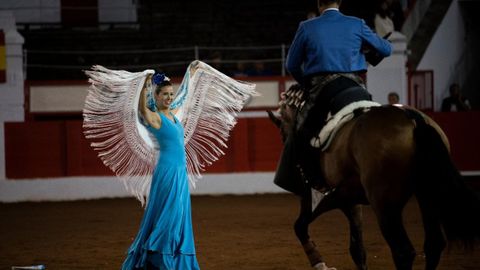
(309, 161)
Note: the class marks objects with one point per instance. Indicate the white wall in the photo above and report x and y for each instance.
(82, 188)
(117, 11)
(390, 74)
(33, 11)
(49, 11)
(71, 98)
(11, 92)
(444, 51)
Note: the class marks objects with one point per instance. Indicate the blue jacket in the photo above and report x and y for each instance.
(332, 43)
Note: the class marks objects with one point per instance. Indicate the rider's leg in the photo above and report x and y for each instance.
(287, 175)
(309, 161)
(311, 120)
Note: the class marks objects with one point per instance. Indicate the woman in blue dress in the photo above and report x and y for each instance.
(190, 128)
(165, 238)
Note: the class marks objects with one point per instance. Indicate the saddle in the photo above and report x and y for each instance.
(338, 120)
(292, 174)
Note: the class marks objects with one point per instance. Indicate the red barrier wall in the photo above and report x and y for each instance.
(49, 149)
(58, 148)
(35, 149)
(463, 132)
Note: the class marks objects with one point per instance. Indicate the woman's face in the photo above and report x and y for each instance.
(164, 98)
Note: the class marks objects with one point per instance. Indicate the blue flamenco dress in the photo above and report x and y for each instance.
(165, 238)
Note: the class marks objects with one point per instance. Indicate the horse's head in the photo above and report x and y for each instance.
(290, 102)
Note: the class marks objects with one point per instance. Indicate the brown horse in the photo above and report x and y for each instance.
(382, 157)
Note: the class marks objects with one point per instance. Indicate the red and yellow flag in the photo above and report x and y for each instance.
(3, 58)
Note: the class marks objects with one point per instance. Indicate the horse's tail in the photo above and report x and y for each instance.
(440, 188)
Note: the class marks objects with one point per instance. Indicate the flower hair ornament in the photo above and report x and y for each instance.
(159, 78)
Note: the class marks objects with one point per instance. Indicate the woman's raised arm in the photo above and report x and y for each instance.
(151, 118)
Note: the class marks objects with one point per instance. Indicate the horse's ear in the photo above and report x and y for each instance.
(274, 119)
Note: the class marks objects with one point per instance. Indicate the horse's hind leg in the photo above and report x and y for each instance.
(434, 240)
(391, 225)
(357, 250)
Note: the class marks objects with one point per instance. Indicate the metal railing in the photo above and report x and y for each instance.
(248, 60)
(236, 60)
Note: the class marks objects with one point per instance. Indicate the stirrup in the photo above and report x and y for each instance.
(318, 196)
(315, 142)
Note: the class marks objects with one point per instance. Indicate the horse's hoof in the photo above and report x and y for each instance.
(323, 266)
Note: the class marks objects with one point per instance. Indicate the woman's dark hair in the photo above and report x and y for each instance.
(159, 87)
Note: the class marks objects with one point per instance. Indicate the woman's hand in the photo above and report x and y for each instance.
(148, 80)
(193, 67)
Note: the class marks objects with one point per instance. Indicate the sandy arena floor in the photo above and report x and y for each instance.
(232, 232)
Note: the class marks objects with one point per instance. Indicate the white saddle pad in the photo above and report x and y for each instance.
(336, 121)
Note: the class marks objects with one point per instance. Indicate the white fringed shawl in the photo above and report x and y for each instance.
(208, 103)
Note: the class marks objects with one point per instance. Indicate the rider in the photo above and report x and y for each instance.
(328, 57)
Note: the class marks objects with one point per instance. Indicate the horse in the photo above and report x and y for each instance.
(382, 157)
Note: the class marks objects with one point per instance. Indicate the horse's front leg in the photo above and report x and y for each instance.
(357, 249)
(303, 221)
